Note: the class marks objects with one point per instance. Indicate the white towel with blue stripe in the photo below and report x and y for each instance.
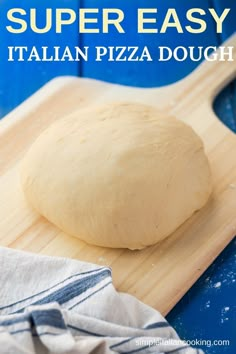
(56, 305)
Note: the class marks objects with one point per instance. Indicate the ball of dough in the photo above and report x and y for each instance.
(121, 175)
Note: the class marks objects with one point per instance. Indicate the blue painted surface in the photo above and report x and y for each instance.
(230, 24)
(225, 106)
(207, 311)
(147, 74)
(19, 80)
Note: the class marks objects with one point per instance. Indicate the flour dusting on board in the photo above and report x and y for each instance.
(102, 260)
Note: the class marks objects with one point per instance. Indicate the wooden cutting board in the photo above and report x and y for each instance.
(158, 275)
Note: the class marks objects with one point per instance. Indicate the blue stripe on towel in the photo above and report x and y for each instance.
(86, 332)
(48, 334)
(20, 331)
(154, 325)
(45, 319)
(123, 342)
(72, 290)
(157, 325)
(87, 297)
(50, 317)
(178, 349)
(34, 334)
(137, 350)
(9, 322)
(50, 288)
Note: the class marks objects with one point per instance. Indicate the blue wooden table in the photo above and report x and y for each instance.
(208, 310)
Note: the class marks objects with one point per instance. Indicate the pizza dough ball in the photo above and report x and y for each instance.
(120, 175)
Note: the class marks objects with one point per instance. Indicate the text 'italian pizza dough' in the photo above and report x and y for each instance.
(120, 175)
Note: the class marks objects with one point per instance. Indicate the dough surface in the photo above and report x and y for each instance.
(121, 175)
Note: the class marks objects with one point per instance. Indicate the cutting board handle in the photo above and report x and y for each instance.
(211, 76)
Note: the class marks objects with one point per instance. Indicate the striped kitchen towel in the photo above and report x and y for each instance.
(57, 305)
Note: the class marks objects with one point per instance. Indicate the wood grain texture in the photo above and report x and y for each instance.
(158, 275)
